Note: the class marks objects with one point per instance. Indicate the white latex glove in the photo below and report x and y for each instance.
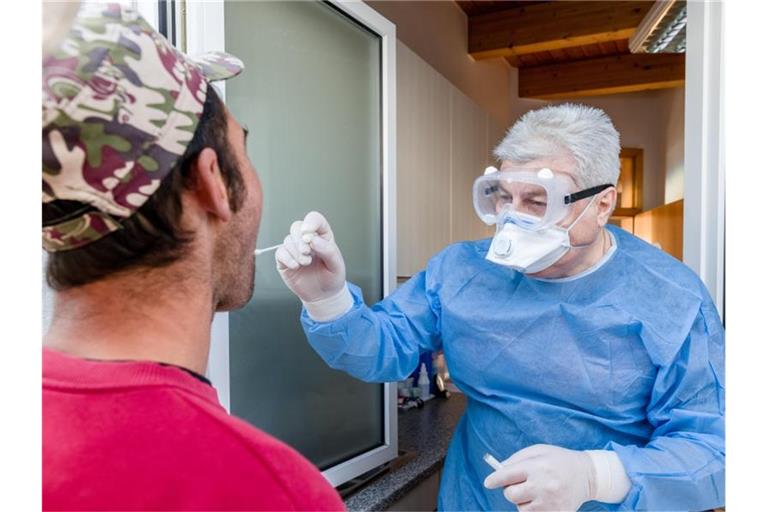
(312, 267)
(549, 478)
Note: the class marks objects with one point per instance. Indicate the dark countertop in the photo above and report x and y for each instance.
(426, 433)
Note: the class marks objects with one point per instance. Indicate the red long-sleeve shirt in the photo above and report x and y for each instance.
(140, 435)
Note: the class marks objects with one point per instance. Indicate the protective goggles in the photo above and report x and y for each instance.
(531, 199)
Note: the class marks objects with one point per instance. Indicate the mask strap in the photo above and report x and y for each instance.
(568, 230)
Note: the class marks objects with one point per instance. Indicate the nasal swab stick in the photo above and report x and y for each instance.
(306, 237)
(267, 249)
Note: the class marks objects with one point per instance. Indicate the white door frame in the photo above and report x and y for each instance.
(704, 188)
(204, 24)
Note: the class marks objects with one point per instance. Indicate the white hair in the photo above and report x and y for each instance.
(585, 133)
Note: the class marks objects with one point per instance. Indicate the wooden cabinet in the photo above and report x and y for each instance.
(421, 497)
(661, 226)
(625, 222)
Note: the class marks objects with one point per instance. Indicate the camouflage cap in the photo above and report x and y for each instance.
(120, 106)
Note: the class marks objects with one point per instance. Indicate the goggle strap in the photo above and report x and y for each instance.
(577, 196)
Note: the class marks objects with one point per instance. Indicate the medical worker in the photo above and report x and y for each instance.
(592, 362)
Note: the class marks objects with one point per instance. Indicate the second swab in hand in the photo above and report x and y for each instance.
(491, 460)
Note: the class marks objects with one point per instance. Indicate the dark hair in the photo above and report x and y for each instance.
(151, 237)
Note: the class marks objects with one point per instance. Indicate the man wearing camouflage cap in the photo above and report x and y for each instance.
(151, 210)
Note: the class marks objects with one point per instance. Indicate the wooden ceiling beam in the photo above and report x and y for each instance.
(552, 25)
(604, 75)
(472, 7)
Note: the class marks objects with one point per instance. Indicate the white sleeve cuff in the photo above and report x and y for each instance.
(611, 481)
(330, 308)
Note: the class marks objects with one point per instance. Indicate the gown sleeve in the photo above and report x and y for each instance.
(381, 343)
(683, 465)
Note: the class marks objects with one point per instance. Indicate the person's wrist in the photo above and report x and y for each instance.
(610, 482)
(330, 308)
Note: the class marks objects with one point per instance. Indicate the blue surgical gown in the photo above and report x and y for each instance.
(628, 358)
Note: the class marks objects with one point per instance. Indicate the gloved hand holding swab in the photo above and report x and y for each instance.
(312, 266)
(306, 237)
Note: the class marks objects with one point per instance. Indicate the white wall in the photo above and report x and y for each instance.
(673, 110)
(704, 209)
(474, 134)
(423, 161)
(444, 141)
(437, 32)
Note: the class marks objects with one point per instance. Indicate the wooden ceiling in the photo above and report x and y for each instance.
(485, 6)
(570, 54)
(570, 48)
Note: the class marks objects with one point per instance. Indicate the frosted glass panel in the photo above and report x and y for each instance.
(310, 97)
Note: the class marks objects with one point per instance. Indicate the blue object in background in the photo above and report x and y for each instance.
(627, 356)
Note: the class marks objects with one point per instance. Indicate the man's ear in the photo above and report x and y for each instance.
(209, 187)
(605, 205)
